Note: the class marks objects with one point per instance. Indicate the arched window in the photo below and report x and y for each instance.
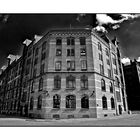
(56, 101)
(104, 102)
(111, 87)
(117, 83)
(31, 103)
(41, 84)
(84, 82)
(57, 82)
(70, 82)
(71, 101)
(39, 102)
(85, 102)
(103, 86)
(112, 103)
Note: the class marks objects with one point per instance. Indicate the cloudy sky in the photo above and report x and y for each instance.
(15, 28)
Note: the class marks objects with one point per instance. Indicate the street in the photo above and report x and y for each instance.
(125, 120)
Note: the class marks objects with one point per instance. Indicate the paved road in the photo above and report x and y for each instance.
(126, 120)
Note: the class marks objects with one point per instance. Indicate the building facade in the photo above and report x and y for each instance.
(132, 80)
(72, 73)
(10, 92)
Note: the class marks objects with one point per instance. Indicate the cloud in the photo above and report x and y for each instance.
(138, 59)
(125, 60)
(104, 19)
(100, 28)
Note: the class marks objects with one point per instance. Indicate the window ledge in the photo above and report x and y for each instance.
(70, 88)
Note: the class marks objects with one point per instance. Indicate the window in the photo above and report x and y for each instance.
(82, 41)
(70, 82)
(43, 56)
(83, 51)
(36, 61)
(107, 52)
(58, 41)
(58, 65)
(34, 73)
(99, 46)
(27, 71)
(71, 65)
(42, 68)
(36, 51)
(58, 52)
(56, 101)
(70, 41)
(70, 52)
(24, 96)
(101, 69)
(111, 87)
(29, 61)
(104, 102)
(29, 53)
(100, 57)
(117, 83)
(118, 96)
(114, 59)
(39, 102)
(32, 86)
(109, 73)
(85, 102)
(103, 86)
(40, 84)
(71, 101)
(83, 65)
(84, 82)
(112, 103)
(108, 62)
(115, 71)
(44, 46)
(31, 103)
(57, 82)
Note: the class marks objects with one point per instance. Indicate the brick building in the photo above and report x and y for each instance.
(72, 73)
(132, 80)
(10, 88)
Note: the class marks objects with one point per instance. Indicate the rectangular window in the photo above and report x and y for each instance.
(100, 57)
(43, 56)
(101, 69)
(58, 65)
(70, 52)
(83, 65)
(109, 73)
(42, 68)
(108, 62)
(29, 53)
(34, 73)
(99, 46)
(82, 41)
(36, 61)
(107, 52)
(36, 51)
(58, 52)
(118, 96)
(83, 51)
(58, 41)
(115, 71)
(70, 41)
(28, 62)
(44, 46)
(71, 65)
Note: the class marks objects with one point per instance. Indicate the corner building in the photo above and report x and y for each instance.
(72, 73)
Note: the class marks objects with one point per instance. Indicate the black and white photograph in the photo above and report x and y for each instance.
(70, 69)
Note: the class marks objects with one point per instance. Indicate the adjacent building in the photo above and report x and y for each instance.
(72, 73)
(132, 80)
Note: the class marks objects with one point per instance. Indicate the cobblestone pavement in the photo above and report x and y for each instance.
(124, 120)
